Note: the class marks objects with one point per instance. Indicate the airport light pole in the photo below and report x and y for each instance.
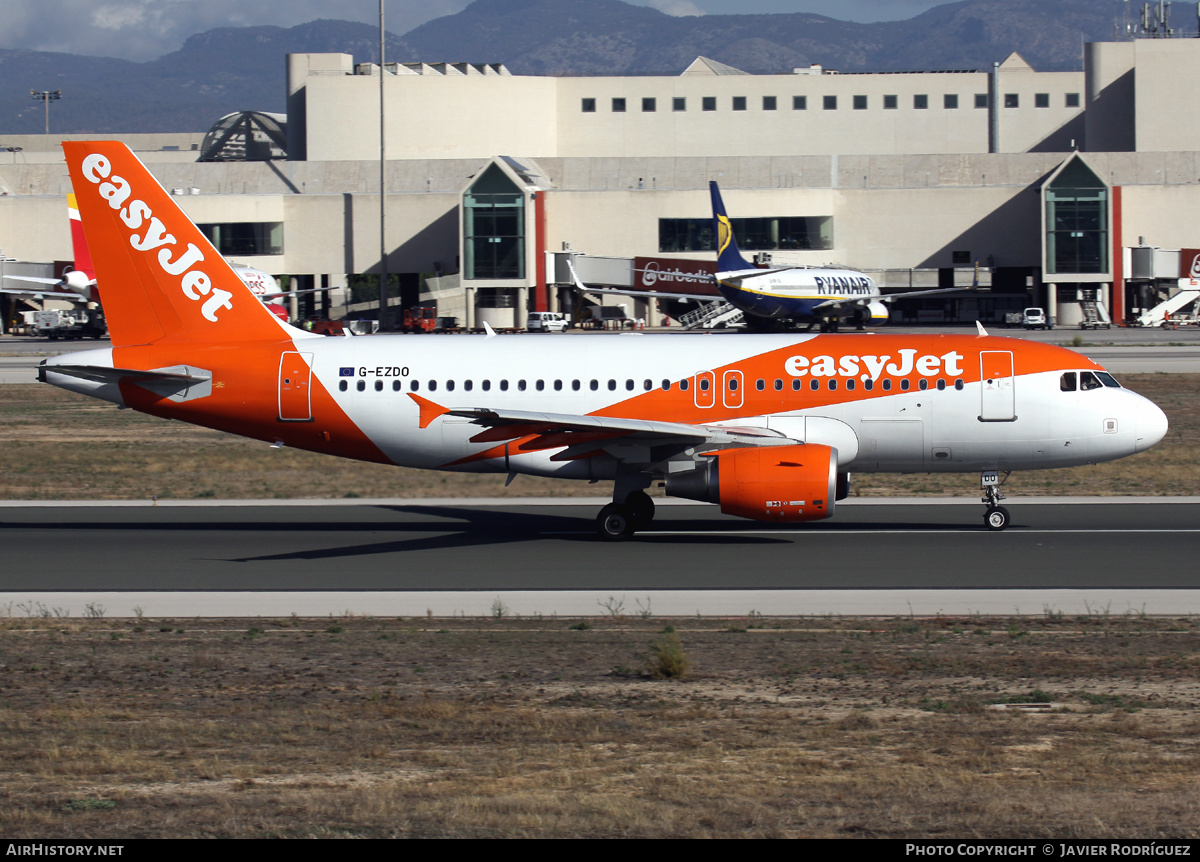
(48, 96)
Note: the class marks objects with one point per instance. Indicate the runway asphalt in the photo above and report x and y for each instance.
(407, 557)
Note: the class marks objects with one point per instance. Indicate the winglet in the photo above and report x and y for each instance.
(487, 327)
(429, 410)
(979, 326)
(729, 259)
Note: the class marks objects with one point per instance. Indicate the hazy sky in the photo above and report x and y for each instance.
(145, 29)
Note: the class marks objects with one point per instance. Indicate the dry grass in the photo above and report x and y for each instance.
(64, 446)
(479, 728)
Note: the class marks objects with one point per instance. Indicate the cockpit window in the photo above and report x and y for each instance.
(1108, 380)
(1067, 382)
(1088, 381)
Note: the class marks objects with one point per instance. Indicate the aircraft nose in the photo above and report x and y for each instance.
(1150, 425)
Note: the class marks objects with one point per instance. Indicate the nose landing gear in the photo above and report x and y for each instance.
(996, 517)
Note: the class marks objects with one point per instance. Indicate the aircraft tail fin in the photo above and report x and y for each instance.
(160, 276)
(83, 257)
(729, 258)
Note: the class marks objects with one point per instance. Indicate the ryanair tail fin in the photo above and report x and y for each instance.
(161, 278)
(729, 259)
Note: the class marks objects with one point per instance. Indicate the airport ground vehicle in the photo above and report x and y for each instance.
(546, 321)
(768, 427)
(70, 323)
(1035, 318)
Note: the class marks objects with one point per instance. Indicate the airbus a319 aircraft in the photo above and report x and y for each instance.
(766, 426)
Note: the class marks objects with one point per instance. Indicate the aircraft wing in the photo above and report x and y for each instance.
(580, 286)
(629, 440)
(57, 294)
(888, 297)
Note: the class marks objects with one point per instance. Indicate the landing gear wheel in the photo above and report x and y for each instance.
(641, 509)
(996, 518)
(614, 523)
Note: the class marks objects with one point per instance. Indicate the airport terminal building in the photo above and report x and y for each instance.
(1033, 185)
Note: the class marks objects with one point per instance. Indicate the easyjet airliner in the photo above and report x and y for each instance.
(767, 426)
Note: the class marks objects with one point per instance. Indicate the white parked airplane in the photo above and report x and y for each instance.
(79, 283)
(766, 426)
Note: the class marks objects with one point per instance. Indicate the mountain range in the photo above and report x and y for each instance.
(231, 69)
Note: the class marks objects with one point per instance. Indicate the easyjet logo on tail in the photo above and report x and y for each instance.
(137, 215)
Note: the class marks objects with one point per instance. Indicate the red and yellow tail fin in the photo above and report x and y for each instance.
(83, 257)
(161, 278)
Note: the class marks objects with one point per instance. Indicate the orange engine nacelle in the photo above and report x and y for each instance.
(766, 483)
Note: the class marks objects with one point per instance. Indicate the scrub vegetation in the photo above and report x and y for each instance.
(63, 446)
(1046, 727)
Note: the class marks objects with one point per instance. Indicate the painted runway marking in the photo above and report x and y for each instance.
(963, 531)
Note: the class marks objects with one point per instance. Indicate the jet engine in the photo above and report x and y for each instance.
(766, 483)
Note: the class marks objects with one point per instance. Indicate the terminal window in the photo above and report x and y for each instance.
(709, 103)
(981, 100)
(1072, 100)
(494, 227)
(772, 233)
(245, 238)
(1077, 222)
(768, 103)
(830, 103)
(950, 101)
(649, 106)
(860, 103)
(1012, 100)
(679, 104)
(588, 106)
(921, 102)
(739, 103)
(1041, 100)
(799, 103)
(618, 106)
(890, 103)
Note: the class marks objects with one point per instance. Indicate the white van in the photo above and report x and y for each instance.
(546, 321)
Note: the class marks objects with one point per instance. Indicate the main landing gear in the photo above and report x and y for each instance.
(996, 517)
(618, 521)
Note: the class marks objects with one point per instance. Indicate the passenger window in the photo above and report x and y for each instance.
(449, 385)
(850, 384)
(612, 385)
(814, 384)
(832, 383)
(923, 384)
(378, 385)
(575, 385)
(760, 384)
(629, 385)
(1088, 381)
(887, 386)
(904, 384)
(558, 386)
(521, 385)
(1066, 383)
(778, 385)
(342, 386)
(958, 384)
(796, 384)
(432, 385)
(703, 384)
(732, 383)
(467, 385)
(396, 386)
(683, 385)
(503, 385)
(487, 385)
(941, 384)
(415, 385)
(361, 385)
(595, 384)
(540, 385)
(868, 384)
(666, 386)
(647, 385)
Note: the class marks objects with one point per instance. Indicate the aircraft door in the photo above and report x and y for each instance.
(731, 392)
(705, 390)
(998, 395)
(294, 387)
